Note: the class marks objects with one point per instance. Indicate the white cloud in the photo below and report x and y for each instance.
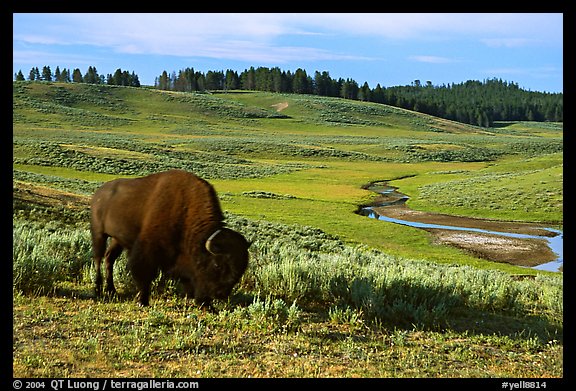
(153, 31)
(31, 57)
(37, 39)
(536, 72)
(432, 25)
(509, 42)
(432, 59)
(264, 36)
(250, 37)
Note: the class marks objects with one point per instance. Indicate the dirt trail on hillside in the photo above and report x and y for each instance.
(280, 106)
(48, 197)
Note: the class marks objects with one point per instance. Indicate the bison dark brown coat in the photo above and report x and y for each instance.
(169, 221)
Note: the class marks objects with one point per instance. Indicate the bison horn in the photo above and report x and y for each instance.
(210, 246)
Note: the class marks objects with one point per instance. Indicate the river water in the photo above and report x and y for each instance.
(556, 243)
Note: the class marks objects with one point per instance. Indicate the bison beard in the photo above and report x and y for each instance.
(170, 222)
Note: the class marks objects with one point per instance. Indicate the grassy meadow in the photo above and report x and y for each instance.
(328, 293)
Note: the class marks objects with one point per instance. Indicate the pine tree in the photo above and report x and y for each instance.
(200, 81)
(349, 89)
(181, 84)
(321, 83)
(163, 82)
(77, 76)
(277, 83)
(65, 75)
(364, 94)
(91, 76)
(214, 80)
(248, 79)
(37, 74)
(301, 84)
(134, 80)
(191, 79)
(19, 76)
(231, 80)
(378, 94)
(117, 77)
(46, 73)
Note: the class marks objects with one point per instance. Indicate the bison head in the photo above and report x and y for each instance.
(228, 260)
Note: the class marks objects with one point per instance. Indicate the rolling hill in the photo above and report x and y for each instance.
(320, 150)
(328, 292)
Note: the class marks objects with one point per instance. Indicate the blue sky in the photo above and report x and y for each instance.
(390, 49)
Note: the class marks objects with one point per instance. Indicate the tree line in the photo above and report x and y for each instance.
(473, 102)
(261, 79)
(118, 78)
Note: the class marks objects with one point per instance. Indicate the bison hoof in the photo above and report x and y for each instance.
(110, 291)
(210, 309)
(207, 307)
(143, 301)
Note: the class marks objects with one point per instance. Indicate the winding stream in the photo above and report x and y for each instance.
(556, 243)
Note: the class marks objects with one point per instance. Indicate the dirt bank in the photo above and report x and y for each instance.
(32, 195)
(402, 212)
(521, 252)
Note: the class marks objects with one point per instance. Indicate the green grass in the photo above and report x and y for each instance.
(321, 152)
(529, 189)
(328, 293)
(173, 340)
(305, 295)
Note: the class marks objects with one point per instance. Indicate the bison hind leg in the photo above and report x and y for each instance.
(112, 253)
(99, 248)
(98, 282)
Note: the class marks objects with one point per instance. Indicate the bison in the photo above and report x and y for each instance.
(171, 222)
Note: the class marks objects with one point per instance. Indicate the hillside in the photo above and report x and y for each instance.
(376, 131)
(328, 292)
(472, 102)
(317, 149)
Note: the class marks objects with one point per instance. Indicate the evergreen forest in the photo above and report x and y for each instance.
(480, 103)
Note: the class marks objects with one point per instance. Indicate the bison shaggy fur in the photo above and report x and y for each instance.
(170, 222)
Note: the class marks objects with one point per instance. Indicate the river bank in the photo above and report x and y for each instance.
(518, 243)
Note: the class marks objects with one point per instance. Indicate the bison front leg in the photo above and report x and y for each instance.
(143, 273)
(143, 296)
(143, 279)
(205, 304)
(193, 293)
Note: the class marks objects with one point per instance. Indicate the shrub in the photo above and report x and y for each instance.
(308, 268)
(43, 256)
